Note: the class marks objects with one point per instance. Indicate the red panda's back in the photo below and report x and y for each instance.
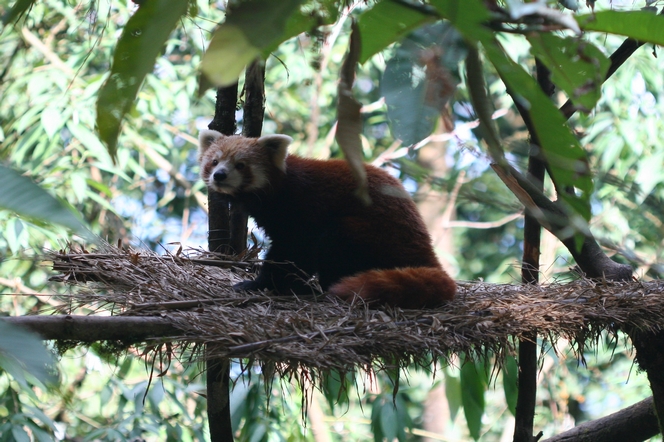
(390, 228)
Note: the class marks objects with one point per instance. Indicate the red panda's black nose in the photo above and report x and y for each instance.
(220, 176)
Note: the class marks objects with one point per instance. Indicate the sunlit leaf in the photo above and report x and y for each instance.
(645, 26)
(141, 41)
(385, 23)
(473, 385)
(28, 350)
(252, 26)
(52, 120)
(649, 174)
(27, 199)
(577, 66)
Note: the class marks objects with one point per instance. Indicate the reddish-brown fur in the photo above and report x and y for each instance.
(381, 252)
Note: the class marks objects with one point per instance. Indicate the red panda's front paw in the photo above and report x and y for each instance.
(246, 285)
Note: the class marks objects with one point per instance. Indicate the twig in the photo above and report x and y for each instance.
(484, 225)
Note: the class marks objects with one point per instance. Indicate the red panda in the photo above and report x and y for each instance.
(380, 252)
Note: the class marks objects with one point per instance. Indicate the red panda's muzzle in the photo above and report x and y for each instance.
(219, 177)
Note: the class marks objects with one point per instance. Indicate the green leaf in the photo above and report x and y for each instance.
(382, 409)
(388, 420)
(28, 350)
(411, 119)
(567, 160)
(649, 174)
(386, 23)
(141, 41)
(453, 394)
(52, 120)
(577, 67)
(414, 100)
(473, 385)
(466, 16)
(335, 388)
(19, 434)
(27, 199)
(510, 385)
(305, 19)
(16, 11)
(645, 26)
(236, 42)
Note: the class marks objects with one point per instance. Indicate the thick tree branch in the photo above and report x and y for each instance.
(219, 226)
(129, 329)
(632, 424)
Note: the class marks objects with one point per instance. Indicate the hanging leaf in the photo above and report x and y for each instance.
(473, 385)
(19, 194)
(420, 79)
(453, 394)
(23, 350)
(334, 386)
(644, 26)
(141, 41)
(577, 66)
(510, 386)
(251, 27)
(386, 23)
(349, 126)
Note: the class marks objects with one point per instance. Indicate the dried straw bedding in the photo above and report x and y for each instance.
(322, 333)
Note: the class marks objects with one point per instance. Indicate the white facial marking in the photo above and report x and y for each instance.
(224, 178)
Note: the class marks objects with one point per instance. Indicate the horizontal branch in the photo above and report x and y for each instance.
(632, 424)
(97, 328)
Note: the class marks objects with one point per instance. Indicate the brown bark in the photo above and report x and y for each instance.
(220, 240)
(530, 265)
(632, 424)
(128, 329)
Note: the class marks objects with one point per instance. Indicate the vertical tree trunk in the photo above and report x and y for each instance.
(228, 232)
(527, 395)
(219, 240)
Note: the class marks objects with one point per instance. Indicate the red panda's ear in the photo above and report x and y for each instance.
(278, 148)
(206, 138)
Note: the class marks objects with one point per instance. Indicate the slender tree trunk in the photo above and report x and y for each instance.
(228, 232)
(219, 240)
(527, 395)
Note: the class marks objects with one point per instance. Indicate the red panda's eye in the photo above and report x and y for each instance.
(214, 163)
(239, 166)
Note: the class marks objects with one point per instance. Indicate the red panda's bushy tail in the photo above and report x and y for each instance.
(409, 287)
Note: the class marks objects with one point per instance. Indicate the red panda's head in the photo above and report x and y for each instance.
(234, 164)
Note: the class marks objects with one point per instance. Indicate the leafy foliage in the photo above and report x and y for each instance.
(55, 60)
(133, 58)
